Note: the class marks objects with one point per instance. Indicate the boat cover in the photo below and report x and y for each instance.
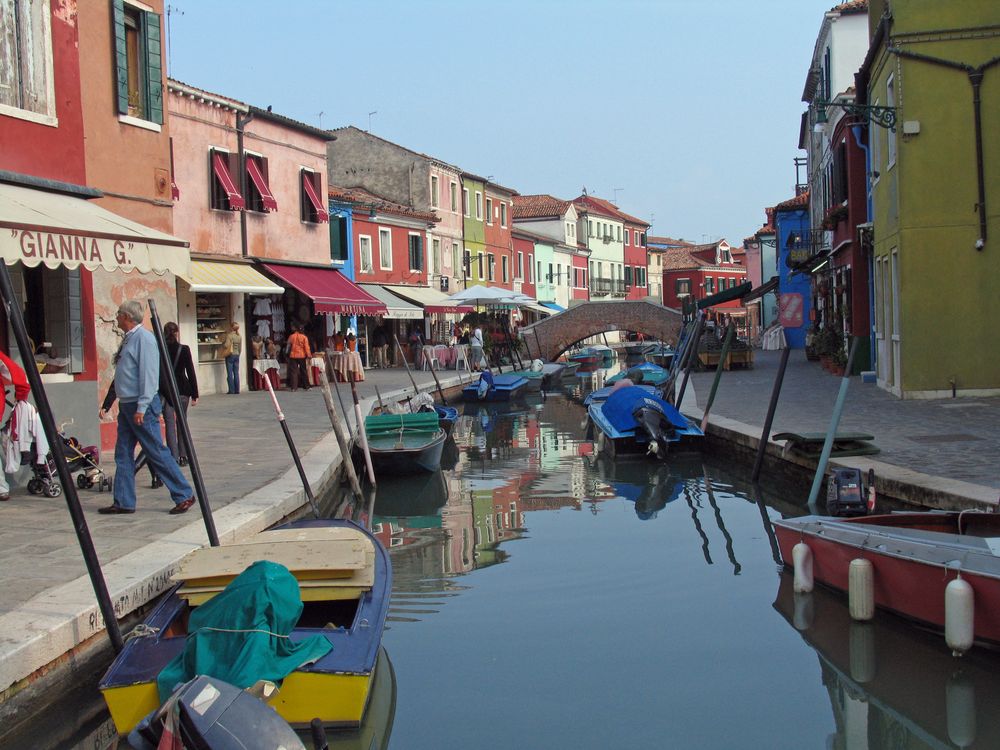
(241, 635)
(622, 404)
(392, 424)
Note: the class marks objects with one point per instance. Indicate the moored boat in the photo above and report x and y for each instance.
(601, 394)
(534, 378)
(634, 422)
(552, 373)
(914, 556)
(446, 417)
(405, 443)
(490, 387)
(644, 373)
(344, 580)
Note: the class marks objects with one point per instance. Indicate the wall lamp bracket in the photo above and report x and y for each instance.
(882, 116)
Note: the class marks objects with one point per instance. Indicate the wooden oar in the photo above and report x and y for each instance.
(292, 448)
(342, 438)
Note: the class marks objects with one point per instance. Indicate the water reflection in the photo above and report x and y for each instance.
(891, 685)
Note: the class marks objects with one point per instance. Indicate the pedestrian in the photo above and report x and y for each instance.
(137, 369)
(476, 344)
(416, 343)
(379, 345)
(298, 353)
(10, 374)
(187, 388)
(230, 351)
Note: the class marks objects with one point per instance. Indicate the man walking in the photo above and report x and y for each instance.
(137, 381)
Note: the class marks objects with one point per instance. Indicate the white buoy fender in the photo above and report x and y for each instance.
(861, 590)
(802, 563)
(959, 612)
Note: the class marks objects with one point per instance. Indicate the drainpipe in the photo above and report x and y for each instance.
(241, 122)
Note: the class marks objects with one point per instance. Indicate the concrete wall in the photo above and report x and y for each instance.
(357, 159)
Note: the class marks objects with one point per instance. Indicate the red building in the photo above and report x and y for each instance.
(699, 271)
(636, 260)
(581, 288)
(524, 263)
(498, 219)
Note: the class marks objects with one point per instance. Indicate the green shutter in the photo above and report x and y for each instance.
(74, 319)
(121, 56)
(154, 68)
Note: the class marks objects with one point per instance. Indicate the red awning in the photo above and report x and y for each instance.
(329, 289)
(321, 214)
(270, 204)
(175, 192)
(236, 202)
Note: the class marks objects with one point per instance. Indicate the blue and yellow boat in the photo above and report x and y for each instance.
(344, 577)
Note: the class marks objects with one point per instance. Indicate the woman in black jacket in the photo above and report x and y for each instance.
(187, 386)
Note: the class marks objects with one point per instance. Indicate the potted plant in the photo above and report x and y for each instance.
(838, 362)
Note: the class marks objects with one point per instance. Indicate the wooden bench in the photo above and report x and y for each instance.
(810, 444)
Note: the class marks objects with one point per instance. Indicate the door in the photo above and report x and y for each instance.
(897, 379)
(881, 301)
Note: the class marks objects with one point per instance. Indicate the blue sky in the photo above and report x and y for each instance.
(686, 112)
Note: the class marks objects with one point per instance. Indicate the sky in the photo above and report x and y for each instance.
(683, 113)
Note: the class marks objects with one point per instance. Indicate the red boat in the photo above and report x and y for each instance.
(914, 556)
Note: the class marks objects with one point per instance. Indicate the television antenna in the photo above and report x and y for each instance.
(171, 9)
(375, 112)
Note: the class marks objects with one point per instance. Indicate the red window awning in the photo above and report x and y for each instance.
(329, 289)
(317, 204)
(270, 204)
(236, 202)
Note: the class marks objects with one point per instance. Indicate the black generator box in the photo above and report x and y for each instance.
(845, 493)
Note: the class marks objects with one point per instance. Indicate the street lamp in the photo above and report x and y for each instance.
(883, 116)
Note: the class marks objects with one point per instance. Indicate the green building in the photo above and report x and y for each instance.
(473, 211)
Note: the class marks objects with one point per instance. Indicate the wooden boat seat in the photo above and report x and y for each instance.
(810, 444)
(329, 563)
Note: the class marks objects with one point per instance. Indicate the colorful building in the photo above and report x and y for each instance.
(693, 272)
(795, 252)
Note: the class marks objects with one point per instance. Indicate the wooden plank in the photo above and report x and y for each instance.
(820, 437)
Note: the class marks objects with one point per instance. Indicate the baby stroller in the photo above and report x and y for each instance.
(85, 460)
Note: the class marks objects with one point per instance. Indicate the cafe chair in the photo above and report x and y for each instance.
(462, 357)
(430, 359)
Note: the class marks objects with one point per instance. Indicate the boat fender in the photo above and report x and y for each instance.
(959, 613)
(861, 590)
(960, 707)
(802, 564)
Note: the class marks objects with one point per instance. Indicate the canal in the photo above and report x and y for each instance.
(547, 597)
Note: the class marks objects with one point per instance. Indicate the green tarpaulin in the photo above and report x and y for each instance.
(241, 634)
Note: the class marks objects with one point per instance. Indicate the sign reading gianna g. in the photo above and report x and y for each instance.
(34, 246)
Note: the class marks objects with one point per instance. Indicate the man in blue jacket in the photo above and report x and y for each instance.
(137, 382)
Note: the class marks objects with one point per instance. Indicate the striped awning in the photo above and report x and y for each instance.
(431, 300)
(210, 276)
(329, 289)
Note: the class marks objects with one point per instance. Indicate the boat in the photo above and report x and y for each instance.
(405, 443)
(660, 354)
(534, 378)
(633, 422)
(552, 373)
(446, 417)
(490, 387)
(585, 357)
(644, 373)
(570, 370)
(344, 579)
(895, 680)
(601, 394)
(606, 355)
(914, 555)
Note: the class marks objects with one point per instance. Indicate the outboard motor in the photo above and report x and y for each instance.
(846, 494)
(209, 714)
(657, 427)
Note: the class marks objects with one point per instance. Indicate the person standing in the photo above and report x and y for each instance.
(137, 380)
(231, 344)
(10, 374)
(298, 353)
(476, 345)
(379, 345)
(187, 388)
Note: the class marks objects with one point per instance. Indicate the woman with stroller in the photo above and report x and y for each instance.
(187, 387)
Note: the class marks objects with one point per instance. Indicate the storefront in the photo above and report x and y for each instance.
(440, 312)
(214, 294)
(55, 243)
(400, 315)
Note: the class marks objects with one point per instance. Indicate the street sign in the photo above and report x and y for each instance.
(790, 310)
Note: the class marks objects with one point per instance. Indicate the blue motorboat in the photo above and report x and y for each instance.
(601, 394)
(492, 387)
(645, 373)
(634, 422)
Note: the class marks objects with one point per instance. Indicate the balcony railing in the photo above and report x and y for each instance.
(603, 287)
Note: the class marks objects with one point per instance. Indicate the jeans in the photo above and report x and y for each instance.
(233, 373)
(176, 447)
(160, 460)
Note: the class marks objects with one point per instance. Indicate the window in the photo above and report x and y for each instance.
(456, 258)
(709, 285)
(27, 91)
(491, 267)
(619, 233)
(385, 249)
(224, 194)
(635, 237)
(467, 264)
(489, 210)
(138, 64)
(628, 275)
(338, 238)
(258, 197)
(682, 287)
(539, 273)
(365, 253)
(503, 214)
(479, 261)
(53, 310)
(640, 276)
(434, 191)
(890, 102)
(453, 193)
(626, 238)
(590, 228)
(436, 256)
(311, 208)
(479, 206)
(550, 278)
(416, 252)
(531, 267)
(504, 269)
(465, 201)
(520, 265)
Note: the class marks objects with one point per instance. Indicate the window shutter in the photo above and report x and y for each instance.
(121, 57)
(75, 321)
(154, 69)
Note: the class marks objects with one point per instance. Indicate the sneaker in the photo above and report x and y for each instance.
(182, 507)
(115, 508)
(157, 482)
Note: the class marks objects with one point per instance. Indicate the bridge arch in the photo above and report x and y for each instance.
(550, 337)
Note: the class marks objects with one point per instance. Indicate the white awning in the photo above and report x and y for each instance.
(431, 300)
(209, 276)
(398, 308)
(41, 227)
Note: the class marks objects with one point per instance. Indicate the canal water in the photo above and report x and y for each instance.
(545, 596)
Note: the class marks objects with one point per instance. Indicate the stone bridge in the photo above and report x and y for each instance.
(550, 337)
